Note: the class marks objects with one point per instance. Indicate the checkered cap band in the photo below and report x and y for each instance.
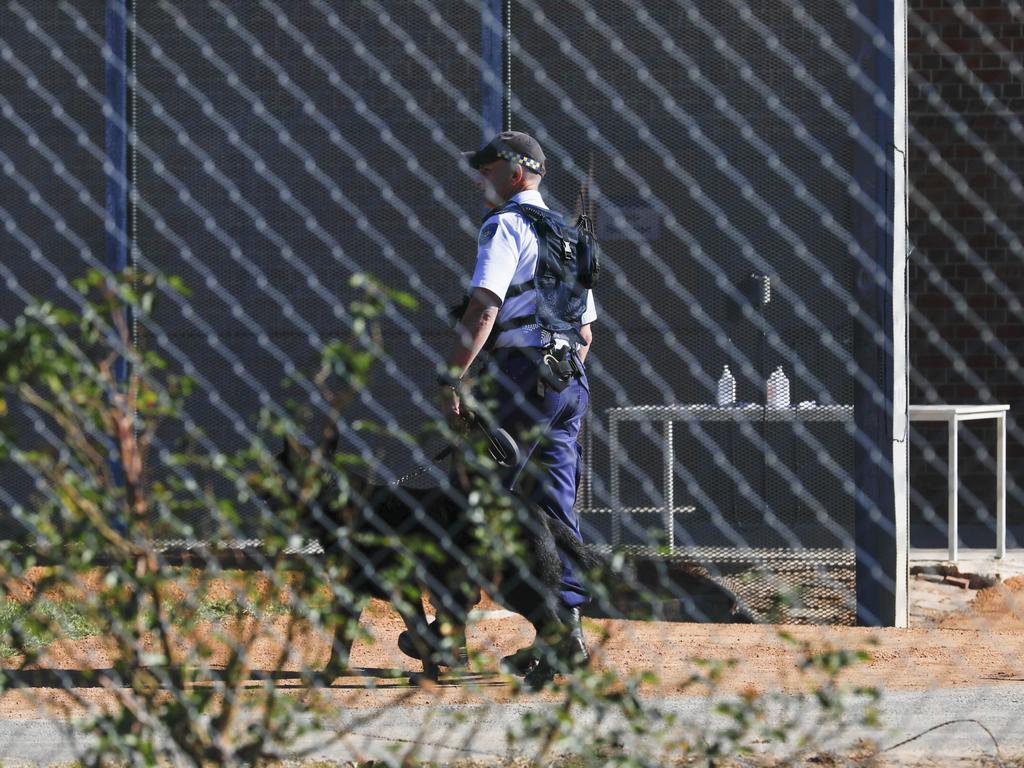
(515, 157)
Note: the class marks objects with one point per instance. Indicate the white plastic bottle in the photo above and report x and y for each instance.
(726, 388)
(777, 389)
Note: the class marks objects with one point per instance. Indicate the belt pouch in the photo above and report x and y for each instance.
(555, 373)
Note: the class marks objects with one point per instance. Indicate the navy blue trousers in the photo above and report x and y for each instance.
(546, 426)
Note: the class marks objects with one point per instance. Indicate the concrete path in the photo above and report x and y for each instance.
(460, 733)
(450, 733)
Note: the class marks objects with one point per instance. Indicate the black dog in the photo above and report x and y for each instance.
(393, 542)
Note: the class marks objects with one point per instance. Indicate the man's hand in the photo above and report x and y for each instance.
(451, 408)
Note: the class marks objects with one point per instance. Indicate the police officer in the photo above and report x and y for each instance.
(525, 324)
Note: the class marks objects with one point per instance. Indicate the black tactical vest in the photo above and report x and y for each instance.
(566, 270)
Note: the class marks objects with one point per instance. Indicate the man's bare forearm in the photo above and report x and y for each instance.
(588, 337)
(473, 330)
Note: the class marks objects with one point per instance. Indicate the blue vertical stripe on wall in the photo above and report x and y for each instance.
(116, 139)
(492, 76)
(116, 166)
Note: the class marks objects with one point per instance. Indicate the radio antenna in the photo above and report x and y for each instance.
(585, 206)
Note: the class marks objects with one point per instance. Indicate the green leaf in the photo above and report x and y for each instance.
(404, 299)
(178, 285)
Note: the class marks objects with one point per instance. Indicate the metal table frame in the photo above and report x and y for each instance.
(953, 415)
(667, 414)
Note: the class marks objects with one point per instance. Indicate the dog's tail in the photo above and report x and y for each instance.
(587, 559)
(705, 599)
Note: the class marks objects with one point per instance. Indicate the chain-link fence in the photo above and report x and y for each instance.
(272, 203)
(264, 180)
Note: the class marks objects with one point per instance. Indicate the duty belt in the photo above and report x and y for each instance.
(556, 367)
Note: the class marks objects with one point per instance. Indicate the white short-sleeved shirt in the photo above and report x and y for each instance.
(507, 255)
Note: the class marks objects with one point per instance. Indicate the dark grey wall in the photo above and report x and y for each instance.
(52, 173)
(280, 148)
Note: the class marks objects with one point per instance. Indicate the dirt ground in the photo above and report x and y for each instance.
(958, 637)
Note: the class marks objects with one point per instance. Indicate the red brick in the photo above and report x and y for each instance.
(959, 44)
(932, 301)
(989, 16)
(1007, 331)
(994, 74)
(983, 300)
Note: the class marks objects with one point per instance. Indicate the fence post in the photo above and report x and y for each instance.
(117, 173)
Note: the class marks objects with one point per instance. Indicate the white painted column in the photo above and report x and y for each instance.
(953, 483)
(613, 450)
(669, 477)
(1001, 485)
(900, 425)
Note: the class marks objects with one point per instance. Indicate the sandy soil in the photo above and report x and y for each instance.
(980, 642)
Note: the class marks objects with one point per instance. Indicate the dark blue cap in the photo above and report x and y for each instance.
(514, 146)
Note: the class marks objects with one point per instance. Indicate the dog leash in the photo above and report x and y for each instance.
(501, 447)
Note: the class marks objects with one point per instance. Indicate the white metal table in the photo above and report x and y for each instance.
(953, 415)
(667, 414)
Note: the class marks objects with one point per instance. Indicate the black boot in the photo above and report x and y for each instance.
(455, 657)
(570, 652)
(522, 662)
(573, 650)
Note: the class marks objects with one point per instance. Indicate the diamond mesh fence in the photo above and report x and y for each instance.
(272, 198)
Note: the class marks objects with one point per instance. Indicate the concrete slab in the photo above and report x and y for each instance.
(480, 733)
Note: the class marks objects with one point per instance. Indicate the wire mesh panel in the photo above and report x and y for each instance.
(225, 425)
(265, 181)
(280, 149)
(233, 236)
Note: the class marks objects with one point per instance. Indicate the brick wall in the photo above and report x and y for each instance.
(966, 276)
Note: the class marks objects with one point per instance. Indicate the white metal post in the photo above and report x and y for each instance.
(669, 477)
(613, 450)
(953, 484)
(1001, 485)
